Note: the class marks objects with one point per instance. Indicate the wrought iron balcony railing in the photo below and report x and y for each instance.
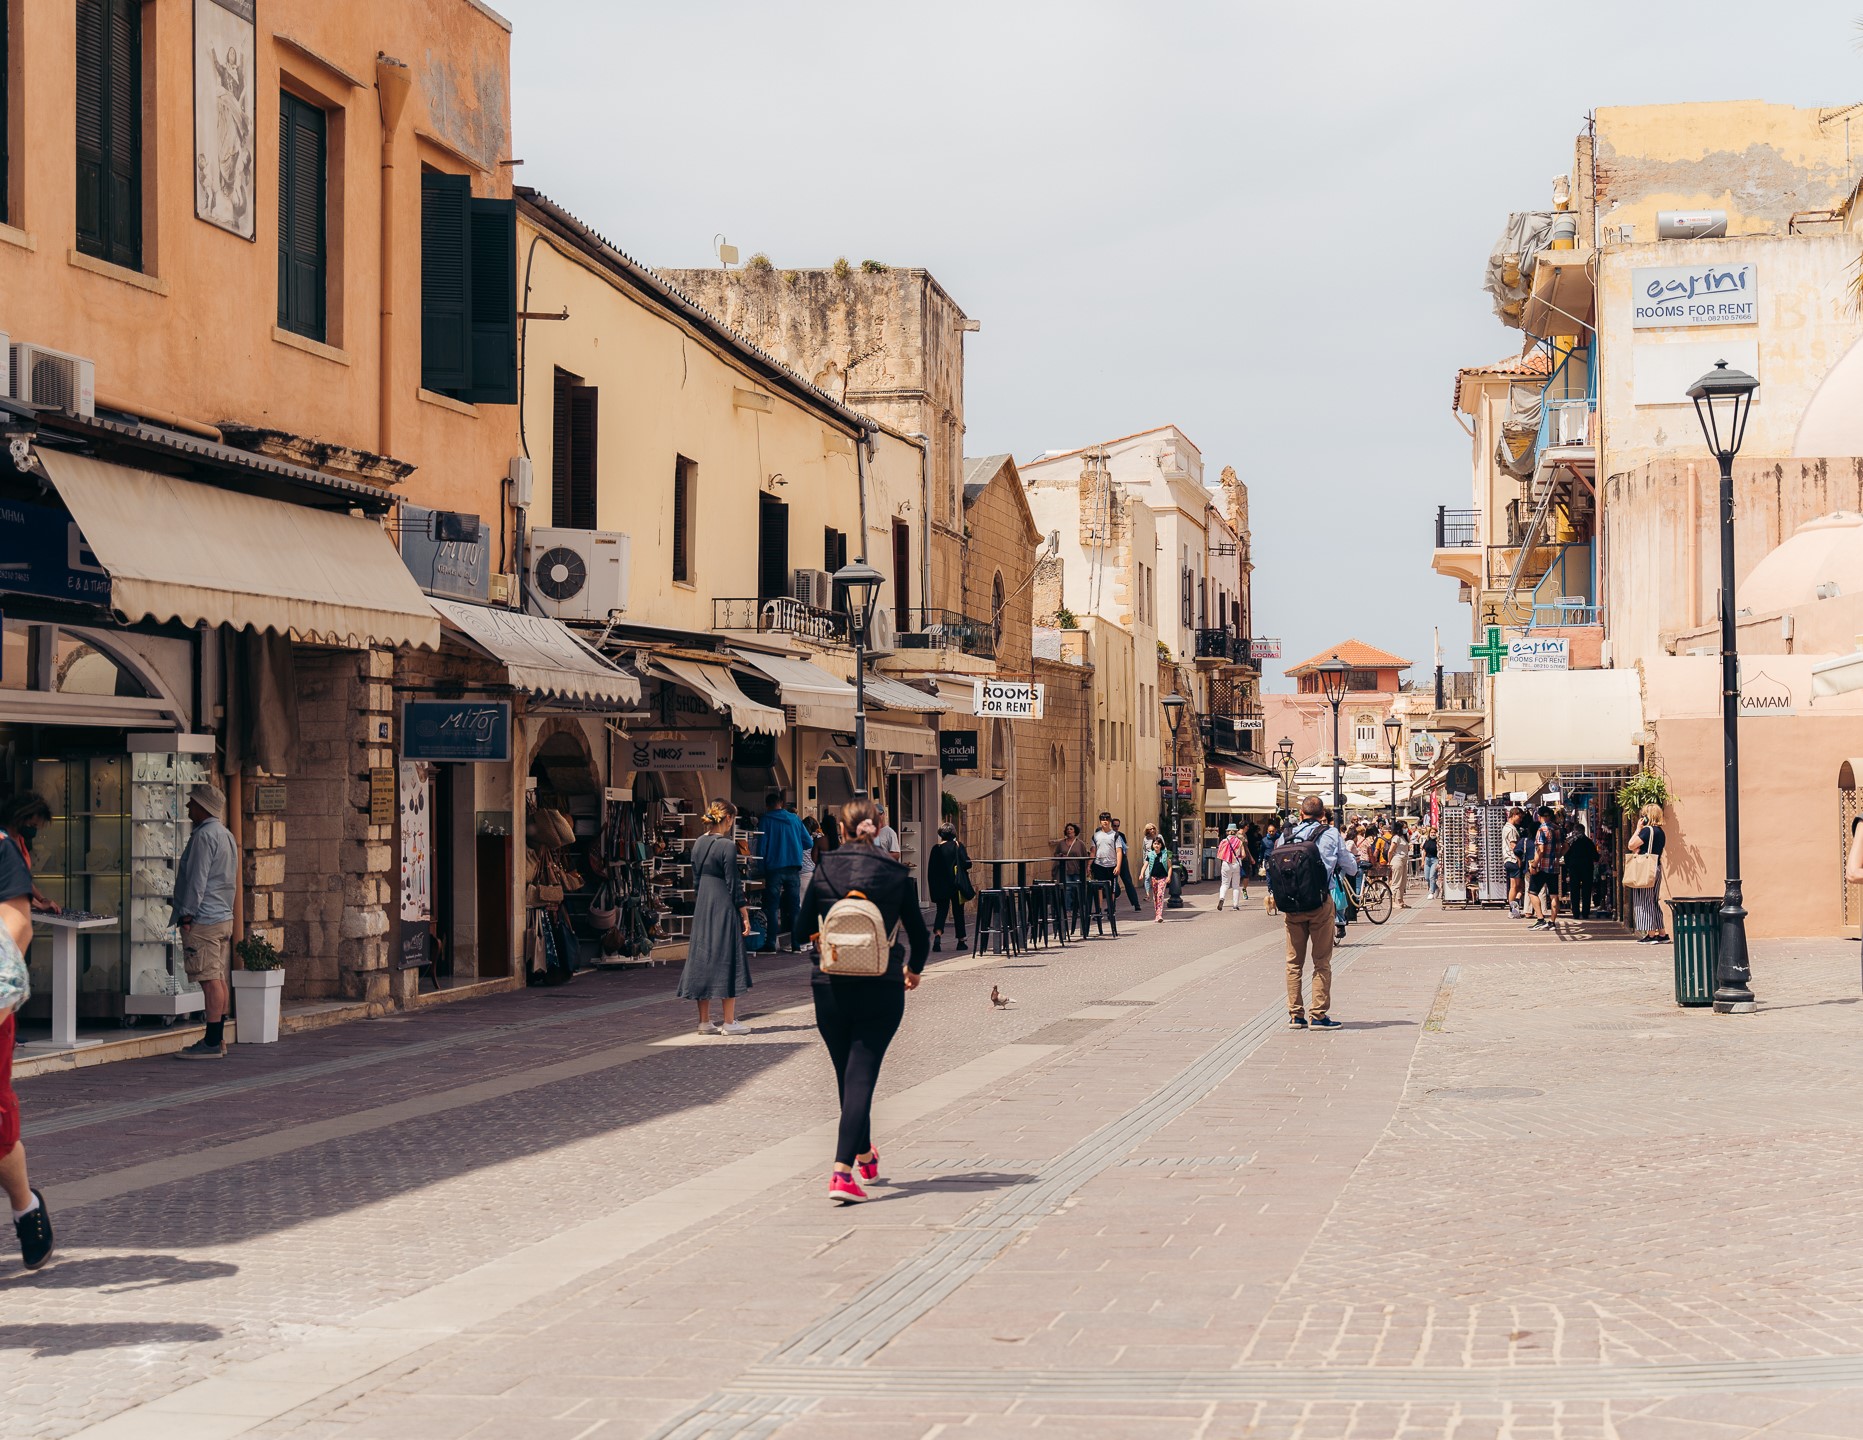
(947, 630)
(1232, 736)
(782, 616)
(1457, 529)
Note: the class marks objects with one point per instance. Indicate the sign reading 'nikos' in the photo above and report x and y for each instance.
(1681, 295)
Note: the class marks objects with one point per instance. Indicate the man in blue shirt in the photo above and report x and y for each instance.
(205, 883)
(786, 842)
(1315, 930)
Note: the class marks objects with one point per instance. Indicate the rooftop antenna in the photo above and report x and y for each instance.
(726, 252)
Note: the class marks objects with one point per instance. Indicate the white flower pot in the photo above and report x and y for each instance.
(257, 1000)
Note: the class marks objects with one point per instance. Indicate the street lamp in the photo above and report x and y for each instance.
(862, 584)
(1393, 733)
(1174, 716)
(1333, 686)
(1284, 753)
(1723, 398)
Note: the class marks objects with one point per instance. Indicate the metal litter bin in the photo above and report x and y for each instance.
(1696, 936)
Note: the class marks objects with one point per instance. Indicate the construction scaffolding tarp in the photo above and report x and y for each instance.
(1510, 263)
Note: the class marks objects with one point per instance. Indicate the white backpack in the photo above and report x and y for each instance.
(853, 939)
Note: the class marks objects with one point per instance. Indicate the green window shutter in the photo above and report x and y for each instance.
(302, 130)
(494, 303)
(5, 136)
(90, 86)
(109, 130)
(560, 448)
(584, 449)
(445, 282)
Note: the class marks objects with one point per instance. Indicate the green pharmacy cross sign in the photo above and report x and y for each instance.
(1493, 652)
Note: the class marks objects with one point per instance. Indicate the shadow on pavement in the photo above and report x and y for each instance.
(118, 1274)
(975, 1180)
(49, 1340)
(1375, 1024)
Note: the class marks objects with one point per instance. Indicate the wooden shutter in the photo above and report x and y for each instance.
(301, 212)
(123, 164)
(445, 282)
(91, 71)
(493, 268)
(682, 520)
(559, 449)
(772, 548)
(902, 577)
(583, 453)
(5, 129)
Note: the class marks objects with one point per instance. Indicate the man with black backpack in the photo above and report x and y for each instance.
(1300, 877)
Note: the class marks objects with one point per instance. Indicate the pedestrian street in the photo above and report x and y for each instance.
(1518, 1193)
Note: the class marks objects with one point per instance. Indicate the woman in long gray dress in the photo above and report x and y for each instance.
(717, 967)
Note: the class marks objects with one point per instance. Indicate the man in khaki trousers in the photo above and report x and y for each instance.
(1310, 932)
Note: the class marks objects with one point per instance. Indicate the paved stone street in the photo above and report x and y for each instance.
(1520, 1194)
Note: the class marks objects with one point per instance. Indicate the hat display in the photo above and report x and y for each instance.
(210, 799)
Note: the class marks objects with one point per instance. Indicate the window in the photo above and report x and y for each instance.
(302, 130)
(902, 576)
(997, 607)
(1365, 734)
(573, 453)
(1361, 679)
(109, 131)
(1103, 750)
(468, 292)
(834, 558)
(772, 548)
(685, 481)
(1203, 606)
(1186, 598)
(6, 53)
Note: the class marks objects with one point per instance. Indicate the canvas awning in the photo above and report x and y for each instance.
(820, 700)
(897, 695)
(1245, 794)
(713, 684)
(967, 789)
(179, 550)
(1552, 720)
(542, 656)
(902, 739)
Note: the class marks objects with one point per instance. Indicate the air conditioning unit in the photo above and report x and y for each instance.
(50, 377)
(813, 587)
(6, 375)
(579, 574)
(881, 636)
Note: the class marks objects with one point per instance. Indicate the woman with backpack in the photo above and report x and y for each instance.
(717, 966)
(1155, 874)
(947, 877)
(856, 903)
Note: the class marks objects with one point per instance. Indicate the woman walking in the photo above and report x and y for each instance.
(1251, 852)
(859, 1015)
(1229, 856)
(1646, 904)
(947, 877)
(717, 967)
(20, 819)
(1155, 873)
(1430, 853)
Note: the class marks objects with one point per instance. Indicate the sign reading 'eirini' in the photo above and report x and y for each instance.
(1684, 295)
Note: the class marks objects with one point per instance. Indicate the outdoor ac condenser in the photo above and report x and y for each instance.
(579, 574)
(51, 377)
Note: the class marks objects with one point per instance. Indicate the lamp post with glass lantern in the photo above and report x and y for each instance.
(1285, 752)
(1174, 715)
(863, 584)
(1393, 733)
(1332, 674)
(1723, 399)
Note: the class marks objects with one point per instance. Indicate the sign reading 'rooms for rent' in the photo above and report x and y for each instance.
(1687, 295)
(1008, 700)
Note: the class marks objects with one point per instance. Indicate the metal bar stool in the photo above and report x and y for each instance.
(996, 916)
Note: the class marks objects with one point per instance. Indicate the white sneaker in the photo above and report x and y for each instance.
(710, 1027)
(736, 1027)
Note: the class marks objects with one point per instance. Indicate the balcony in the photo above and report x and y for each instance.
(783, 616)
(947, 630)
(1458, 690)
(1458, 553)
(1232, 737)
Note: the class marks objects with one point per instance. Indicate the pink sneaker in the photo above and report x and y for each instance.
(843, 1189)
(869, 1169)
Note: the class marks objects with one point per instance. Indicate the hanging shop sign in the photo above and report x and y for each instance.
(439, 561)
(758, 752)
(1251, 722)
(1008, 700)
(672, 754)
(456, 730)
(1264, 649)
(1424, 747)
(42, 553)
(957, 750)
(1539, 652)
(1689, 295)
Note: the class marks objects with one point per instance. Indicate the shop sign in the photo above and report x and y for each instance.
(1688, 295)
(1264, 649)
(957, 750)
(268, 799)
(45, 555)
(1463, 779)
(416, 862)
(456, 730)
(1008, 700)
(458, 569)
(1539, 652)
(382, 795)
(1253, 722)
(1180, 780)
(756, 751)
(1763, 696)
(673, 754)
(1424, 747)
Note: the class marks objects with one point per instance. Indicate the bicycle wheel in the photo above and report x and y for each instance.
(1375, 901)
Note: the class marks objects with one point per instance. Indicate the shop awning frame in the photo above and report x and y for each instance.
(543, 657)
(821, 701)
(968, 789)
(888, 694)
(713, 683)
(198, 554)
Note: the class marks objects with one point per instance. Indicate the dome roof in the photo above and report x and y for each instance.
(1823, 552)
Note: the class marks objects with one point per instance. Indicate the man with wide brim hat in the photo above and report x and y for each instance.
(206, 882)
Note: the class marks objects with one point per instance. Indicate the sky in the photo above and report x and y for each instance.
(1263, 223)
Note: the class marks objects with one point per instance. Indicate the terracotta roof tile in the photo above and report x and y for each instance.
(1355, 653)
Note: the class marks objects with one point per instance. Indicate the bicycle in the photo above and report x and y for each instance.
(1372, 895)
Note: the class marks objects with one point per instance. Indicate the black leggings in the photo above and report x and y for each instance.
(950, 905)
(857, 1019)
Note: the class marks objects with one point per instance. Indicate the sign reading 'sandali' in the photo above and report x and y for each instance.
(1008, 700)
(1694, 295)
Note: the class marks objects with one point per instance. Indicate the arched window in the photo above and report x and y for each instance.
(996, 606)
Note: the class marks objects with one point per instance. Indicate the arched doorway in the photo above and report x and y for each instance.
(569, 785)
(1849, 807)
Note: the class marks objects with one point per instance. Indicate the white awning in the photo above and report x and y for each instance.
(714, 684)
(541, 655)
(967, 789)
(901, 739)
(821, 701)
(897, 695)
(1244, 794)
(179, 550)
(1551, 720)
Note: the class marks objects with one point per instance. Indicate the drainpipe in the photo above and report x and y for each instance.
(392, 82)
(925, 521)
(861, 443)
(1694, 540)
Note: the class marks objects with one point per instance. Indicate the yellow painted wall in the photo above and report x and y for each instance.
(194, 333)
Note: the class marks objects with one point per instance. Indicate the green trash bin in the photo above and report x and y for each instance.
(1696, 935)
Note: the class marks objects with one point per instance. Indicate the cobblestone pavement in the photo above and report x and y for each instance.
(1521, 1194)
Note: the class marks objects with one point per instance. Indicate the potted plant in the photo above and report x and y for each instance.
(258, 991)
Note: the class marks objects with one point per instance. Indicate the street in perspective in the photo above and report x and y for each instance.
(756, 843)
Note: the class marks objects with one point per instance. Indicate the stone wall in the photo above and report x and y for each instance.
(1054, 760)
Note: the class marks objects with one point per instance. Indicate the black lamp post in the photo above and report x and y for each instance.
(863, 584)
(1174, 715)
(1333, 686)
(1393, 733)
(1285, 752)
(1723, 399)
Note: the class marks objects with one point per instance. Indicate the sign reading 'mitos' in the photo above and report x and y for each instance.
(1008, 700)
